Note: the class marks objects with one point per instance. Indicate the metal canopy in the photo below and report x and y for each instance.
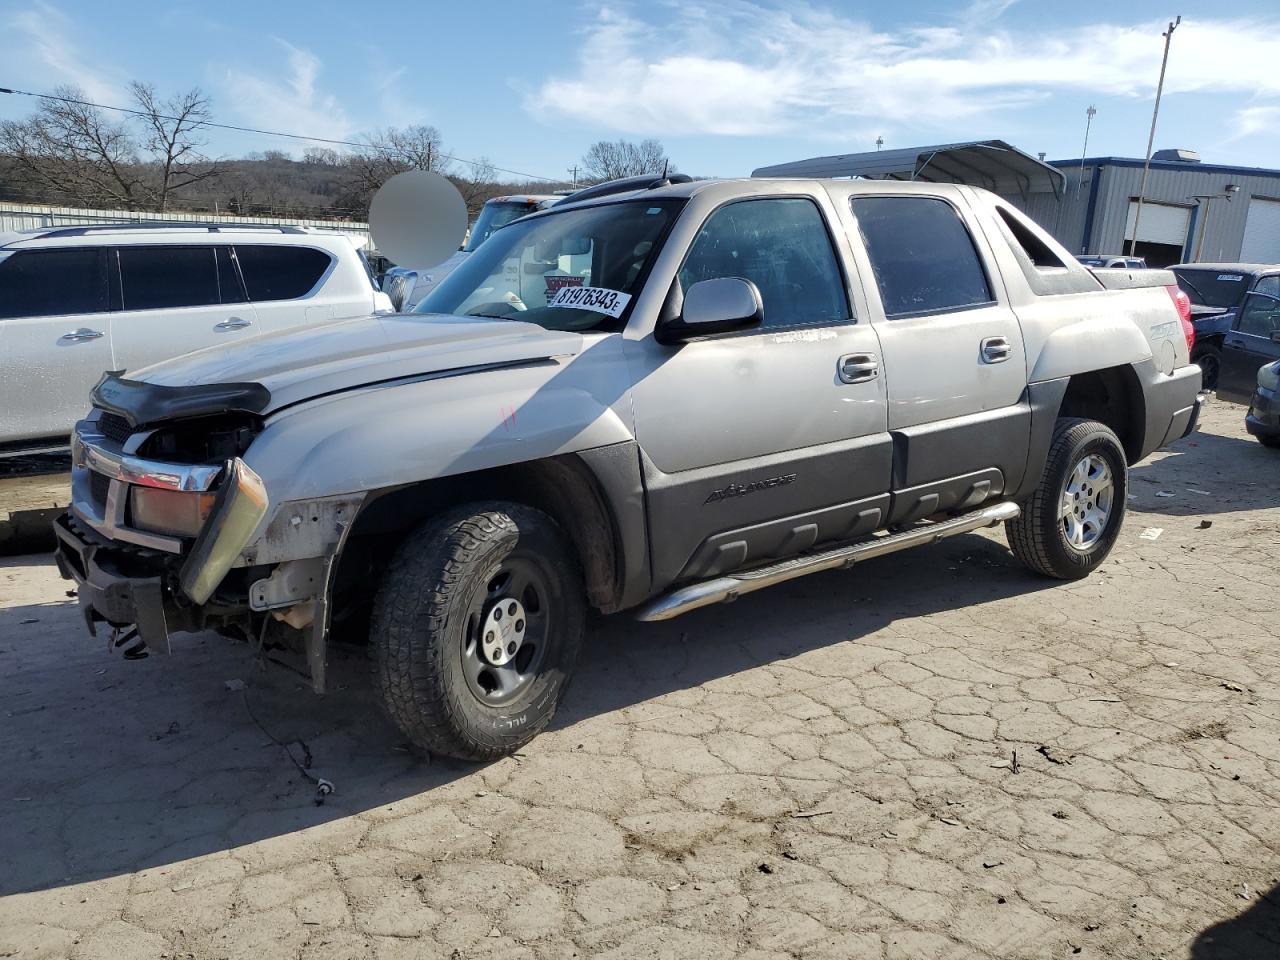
(992, 164)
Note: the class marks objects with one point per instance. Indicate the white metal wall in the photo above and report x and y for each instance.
(1261, 232)
(23, 216)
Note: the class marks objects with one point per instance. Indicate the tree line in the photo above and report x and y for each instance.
(153, 158)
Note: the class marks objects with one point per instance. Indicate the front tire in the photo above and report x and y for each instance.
(476, 628)
(1069, 525)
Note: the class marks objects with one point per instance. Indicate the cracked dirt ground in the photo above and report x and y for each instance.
(820, 770)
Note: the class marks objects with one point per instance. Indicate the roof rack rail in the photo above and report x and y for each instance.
(645, 181)
(211, 227)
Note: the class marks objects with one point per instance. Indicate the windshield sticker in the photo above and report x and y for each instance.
(1230, 276)
(557, 282)
(597, 299)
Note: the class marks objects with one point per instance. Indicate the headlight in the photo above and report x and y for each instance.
(1269, 376)
(173, 512)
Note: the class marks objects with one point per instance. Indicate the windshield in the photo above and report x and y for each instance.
(495, 214)
(575, 270)
(1212, 288)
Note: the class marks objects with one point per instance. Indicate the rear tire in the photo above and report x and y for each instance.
(1209, 358)
(476, 628)
(1069, 525)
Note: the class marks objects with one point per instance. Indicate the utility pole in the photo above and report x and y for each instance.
(1151, 137)
(574, 171)
(1084, 152)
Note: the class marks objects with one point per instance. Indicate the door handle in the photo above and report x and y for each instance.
(995, 350)
(84, 333)
(857, 367)
(233, 323)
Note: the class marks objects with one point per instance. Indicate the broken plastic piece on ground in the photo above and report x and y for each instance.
(1164, 493)
(1204, 525)
(1151, 533)
(234, 684)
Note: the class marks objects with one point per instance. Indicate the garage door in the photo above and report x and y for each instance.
(1160, 223)
(1261, 232)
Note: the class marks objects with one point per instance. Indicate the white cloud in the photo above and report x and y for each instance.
(744, 68)
(1253, 120)
(38, 42)
(290, 100)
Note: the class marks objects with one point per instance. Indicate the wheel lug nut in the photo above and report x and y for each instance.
(511, 648)
(519, 625)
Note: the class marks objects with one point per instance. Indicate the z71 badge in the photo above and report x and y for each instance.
(742, 489)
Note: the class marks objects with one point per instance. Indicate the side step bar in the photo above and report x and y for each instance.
(724, 589)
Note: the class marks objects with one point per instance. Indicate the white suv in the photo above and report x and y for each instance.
(77, 301)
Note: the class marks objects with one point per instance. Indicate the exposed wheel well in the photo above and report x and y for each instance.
(1208, 340)
(561, 487)
(1112, 396)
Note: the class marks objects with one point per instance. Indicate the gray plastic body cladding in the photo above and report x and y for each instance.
(766, 502)
(961, 445)
(616, 469)
(1169, 400)
(1044, 400)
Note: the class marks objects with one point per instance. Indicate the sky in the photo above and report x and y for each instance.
(726, 86)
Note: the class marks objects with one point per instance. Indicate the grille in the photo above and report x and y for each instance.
(114, 427)
(98, 486)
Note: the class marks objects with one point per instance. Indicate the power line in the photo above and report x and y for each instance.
(266, 133)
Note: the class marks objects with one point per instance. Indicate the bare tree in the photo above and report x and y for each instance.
(478, 184)
(322, 156)
(612, 159)
(74, 152)
(171, 130)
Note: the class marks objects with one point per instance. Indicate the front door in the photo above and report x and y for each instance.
(175, 299)
(1248, 345)
(762, 442)
(55, 339)
(953, 349)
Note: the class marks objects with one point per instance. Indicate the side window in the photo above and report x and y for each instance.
(782, 246)
(1268, 285)
(280, 272)
(1261, 315)
(923, 257)
(46, 283)
(154, 278)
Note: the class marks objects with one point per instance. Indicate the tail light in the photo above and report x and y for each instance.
(1183, 305)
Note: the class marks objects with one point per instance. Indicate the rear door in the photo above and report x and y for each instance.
(55, 339)
(953, 354)
(1248, 345)
(287, 285)
(175, 299)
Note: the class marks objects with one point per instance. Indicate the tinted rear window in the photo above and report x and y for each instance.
(1213, 288)
(923, 257)
(280, 272)
(153, 278)
(35, 283)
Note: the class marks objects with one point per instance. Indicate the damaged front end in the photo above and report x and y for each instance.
(170, 530)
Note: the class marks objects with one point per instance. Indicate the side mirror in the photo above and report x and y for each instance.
(1275, 336)
(714, 306)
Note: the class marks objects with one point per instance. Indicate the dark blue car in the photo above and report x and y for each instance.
(1235, 309)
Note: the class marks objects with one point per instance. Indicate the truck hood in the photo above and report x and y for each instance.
(296, 365)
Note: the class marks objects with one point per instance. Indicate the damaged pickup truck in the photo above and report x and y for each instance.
(655, 397)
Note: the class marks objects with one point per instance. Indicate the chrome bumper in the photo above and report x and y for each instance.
(91, 452)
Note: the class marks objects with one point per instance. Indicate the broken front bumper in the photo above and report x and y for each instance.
(115, 587)
(130, 576)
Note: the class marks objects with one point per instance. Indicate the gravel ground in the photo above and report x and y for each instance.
(821, 770)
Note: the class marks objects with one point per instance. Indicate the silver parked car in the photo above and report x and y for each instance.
(653, 399)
